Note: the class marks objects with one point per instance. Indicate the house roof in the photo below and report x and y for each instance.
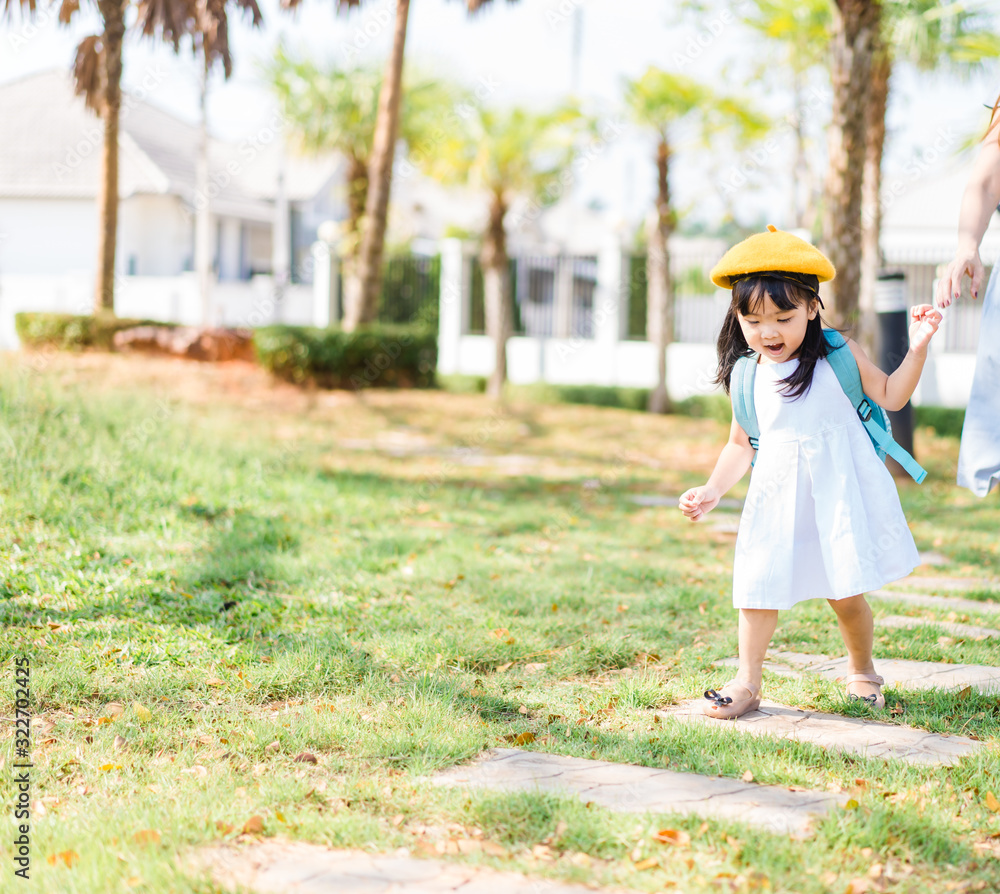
(46, 155)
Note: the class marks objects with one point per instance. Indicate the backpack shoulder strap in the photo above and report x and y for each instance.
(741, 391)
(846, 369)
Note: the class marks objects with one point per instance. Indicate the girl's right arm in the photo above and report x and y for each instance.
(982, 194)
(731, 466)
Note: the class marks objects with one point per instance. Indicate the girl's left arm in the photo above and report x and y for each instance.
(892, 391)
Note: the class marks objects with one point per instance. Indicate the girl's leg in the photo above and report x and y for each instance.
(854, 617)
(755, 632)
(756, 629)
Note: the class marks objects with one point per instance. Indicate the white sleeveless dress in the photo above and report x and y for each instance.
(822, 517)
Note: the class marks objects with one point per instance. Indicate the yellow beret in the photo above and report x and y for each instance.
(773, 250)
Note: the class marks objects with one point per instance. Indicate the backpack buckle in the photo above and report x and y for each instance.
(865, 410)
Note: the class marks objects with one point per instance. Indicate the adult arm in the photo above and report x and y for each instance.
(892, 391)
(979, 201)
(730, 467)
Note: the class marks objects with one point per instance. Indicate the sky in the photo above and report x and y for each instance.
(523, 53)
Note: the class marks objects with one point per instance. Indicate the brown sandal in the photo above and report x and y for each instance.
(725, 707)
(875, 699)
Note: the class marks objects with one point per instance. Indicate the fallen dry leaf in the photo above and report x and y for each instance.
(146, 836)
(119, 743)
(274, 746)
(992, 803)
(673, 836)
(224, 828)
(254, 825)
(142, 713)
(648, 863)
(747, 777)
(304, 757)
(70, 858)
(525, 738)
(113, 709)
(198, 771)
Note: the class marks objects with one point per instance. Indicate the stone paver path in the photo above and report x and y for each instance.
(837, 733)
(293, 867)
(632, 789)
(946, 584)
(903, 673)
(966, 630)
(949, 602)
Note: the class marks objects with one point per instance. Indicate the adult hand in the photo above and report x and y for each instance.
(698, 502)
(949, 286)
(924, 322)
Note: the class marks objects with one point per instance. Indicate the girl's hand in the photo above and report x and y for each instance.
(924, 322)
(697, 502)
(949, 286)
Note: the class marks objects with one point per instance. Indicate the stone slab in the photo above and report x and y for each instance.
(837, 733)
(946, 584)
(903, 673)
(969, 631)
(293, 867)
(628, 788)
(950, 603)
(933, 558)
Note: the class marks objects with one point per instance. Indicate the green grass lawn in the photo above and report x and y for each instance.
(254, 610)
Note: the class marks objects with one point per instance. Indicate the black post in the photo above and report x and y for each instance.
(894, 341)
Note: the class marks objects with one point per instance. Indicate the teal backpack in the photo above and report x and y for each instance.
(845, 367)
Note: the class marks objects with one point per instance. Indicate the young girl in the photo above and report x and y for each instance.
(822, 517)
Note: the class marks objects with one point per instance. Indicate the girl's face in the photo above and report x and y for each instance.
(776, 334)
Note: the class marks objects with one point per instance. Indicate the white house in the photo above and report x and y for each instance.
(50, 169)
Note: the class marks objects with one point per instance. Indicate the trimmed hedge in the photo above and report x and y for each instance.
(385, 356)
(73, 332)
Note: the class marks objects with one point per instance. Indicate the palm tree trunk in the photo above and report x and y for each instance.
(871, 204)
(113, 13)
(357, 195)
(660, 296)
(855, 31)
(362, 303)
(496, 293)
(800, 171)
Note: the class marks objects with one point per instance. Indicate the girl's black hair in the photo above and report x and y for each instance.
(787, 291)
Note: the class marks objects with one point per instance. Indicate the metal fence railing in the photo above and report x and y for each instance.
(411, 289)
(699, 307)
(534, 283)
(960, 332)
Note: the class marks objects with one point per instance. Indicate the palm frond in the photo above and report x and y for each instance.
(168, 19)
(88, 72)
(25, 6)
(66, 10)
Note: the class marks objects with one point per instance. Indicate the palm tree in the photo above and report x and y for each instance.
(853, 44)
(362, 306)
(659, 102)
(800, 29)
(506, 154)
(336, 109)
(924, 33)
(97, 71)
